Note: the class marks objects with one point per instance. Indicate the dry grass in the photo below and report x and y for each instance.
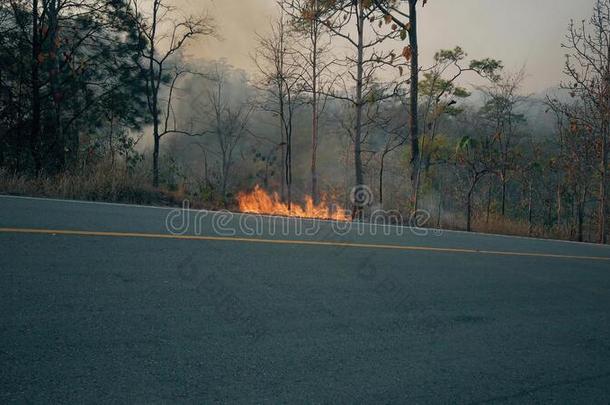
(498, 225)
(506, 226)
(100, 183)
(107, 183)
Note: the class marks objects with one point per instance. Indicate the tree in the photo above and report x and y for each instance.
(501, 113)
(587, 68)
(362, 67)
(164, 33)
(80, 54)
(576, 157)
(470, 156)
(440, 94)
(407, 21)
(226, 115)
(393, 129)
(35, 125)
(306, 16)
(280, 80)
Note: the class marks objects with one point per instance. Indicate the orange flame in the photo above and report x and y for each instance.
(260, 202)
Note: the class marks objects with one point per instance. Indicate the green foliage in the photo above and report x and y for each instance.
(454, 55)
(487, 67)
(87, 79)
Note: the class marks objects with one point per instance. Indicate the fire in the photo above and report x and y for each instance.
(260, 202)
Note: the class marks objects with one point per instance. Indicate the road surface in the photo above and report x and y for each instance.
(106, 303)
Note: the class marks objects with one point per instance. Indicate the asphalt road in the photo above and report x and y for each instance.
(102, 303)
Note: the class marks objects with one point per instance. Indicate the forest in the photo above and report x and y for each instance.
(341, 118)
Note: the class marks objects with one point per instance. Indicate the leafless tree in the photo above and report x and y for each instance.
(471, 157)
(279, 79)
(360, 85)
(226, 116)
(503, 100)
(165, 32)
(312, 50)
(588, 70)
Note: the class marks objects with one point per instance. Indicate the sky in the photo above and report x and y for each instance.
(521, 33)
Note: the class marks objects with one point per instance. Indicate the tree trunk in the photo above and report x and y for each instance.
(381, 169)
(156, 158)
(225, 177)
(60, 149)
(357, 209)
(489, 202)
(581, 215)
(603, 192)
(35, 129)
(414, 97)
(469, 210)
(111, 142)
(440, 203)
(283, 156)
(154, 84)
(418, 175)
(314, 151)
(559, 214)
(314, 113)
(289, 160)
(530, 210)
(605, 103)
(503, 178)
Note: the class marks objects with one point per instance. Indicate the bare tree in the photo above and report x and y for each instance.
(588, 70)
(313, 50)
(226, 118)
(363, 66)
(471, 157)
(501, 111)
(280, 75)
(165, 33)
(576, 158)
(394, 139)
(36, 48)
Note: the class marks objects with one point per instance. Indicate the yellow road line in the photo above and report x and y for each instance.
(292, 242)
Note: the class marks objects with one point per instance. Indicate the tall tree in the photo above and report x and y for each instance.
(407, 21)
(501, 110)
(364, 61)
(226, 114)
(280, 75)
(35, 125)
(165, 32)
(310, 30)
(587, 67)
(84, 52)
(439, 95)
(471, 157)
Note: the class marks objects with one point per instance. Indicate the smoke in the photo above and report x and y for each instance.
(522, 32)
(237, 21)
(482, 29)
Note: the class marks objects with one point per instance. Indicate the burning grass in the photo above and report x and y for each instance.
(258, 201)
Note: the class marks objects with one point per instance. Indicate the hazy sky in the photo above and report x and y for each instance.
(519, 32)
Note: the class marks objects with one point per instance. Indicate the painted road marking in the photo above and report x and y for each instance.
(294, 242)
